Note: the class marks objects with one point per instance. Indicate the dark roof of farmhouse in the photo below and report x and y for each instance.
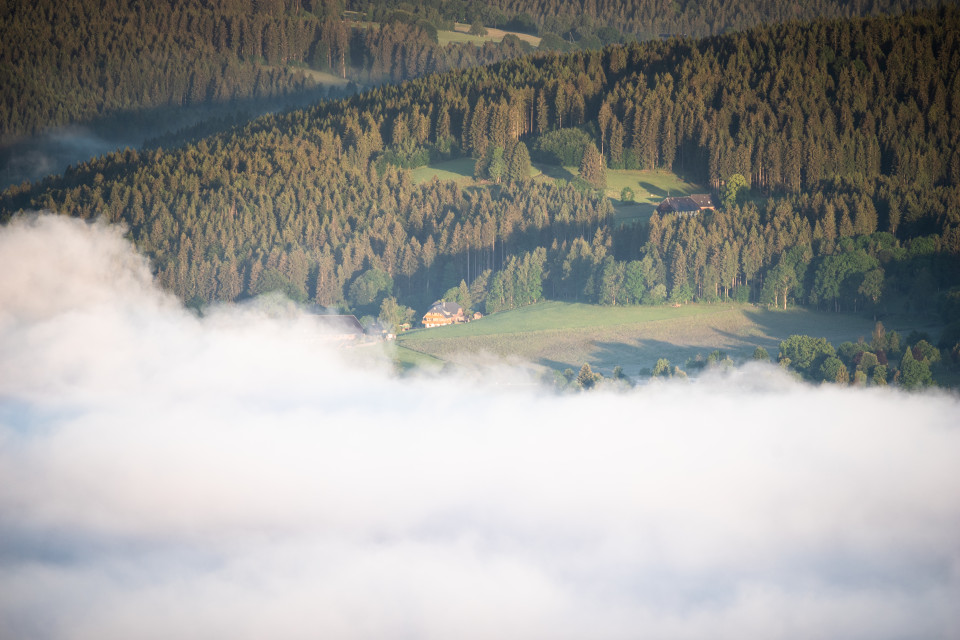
(683, 204)
(702, 199)
(448, 309)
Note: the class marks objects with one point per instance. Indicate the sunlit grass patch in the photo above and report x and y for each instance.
(558, 335)
(461, 33)
(324, 77)
(459, 170)
(649, 186)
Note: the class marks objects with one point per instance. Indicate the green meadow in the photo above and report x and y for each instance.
(649, 187)
(459, 170)
(559, 335)
(461, 33)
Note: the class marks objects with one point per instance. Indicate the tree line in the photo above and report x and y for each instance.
(312, 200)
(886, 359)
(596, 23)
(76, 60)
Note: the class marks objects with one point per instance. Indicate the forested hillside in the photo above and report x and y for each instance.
(69, 61)
(846, 129)
(592, 23)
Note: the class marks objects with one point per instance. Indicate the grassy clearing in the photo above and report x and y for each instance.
(323, 77)
(548, 172)
(558, 335)
(649, 187)
(446, 37)
(461, 33)
(408, 359)
(319, 77)
(373, 356)
(459, 170)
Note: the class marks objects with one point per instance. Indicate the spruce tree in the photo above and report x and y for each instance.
(591, 167)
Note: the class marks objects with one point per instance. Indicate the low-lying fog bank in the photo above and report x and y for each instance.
(51, 152)
(163, 475)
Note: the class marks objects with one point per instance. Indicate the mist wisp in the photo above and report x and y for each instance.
(164, 475)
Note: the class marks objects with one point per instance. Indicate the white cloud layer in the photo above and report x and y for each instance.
(164, 476)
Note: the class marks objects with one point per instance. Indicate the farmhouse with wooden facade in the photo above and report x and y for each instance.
(443, 313)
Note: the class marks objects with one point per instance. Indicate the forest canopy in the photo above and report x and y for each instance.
(844, 131)
(72, 61)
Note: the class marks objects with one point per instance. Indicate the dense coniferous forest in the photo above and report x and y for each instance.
(71, 61)
(843, 134)
(593, 23)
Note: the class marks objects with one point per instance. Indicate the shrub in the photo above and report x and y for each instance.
(833, 370)
(662, 368)
(561, 147)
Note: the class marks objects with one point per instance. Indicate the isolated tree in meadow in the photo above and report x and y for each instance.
(587, 378)
(662, 368)
(760, 354)
(591, 167)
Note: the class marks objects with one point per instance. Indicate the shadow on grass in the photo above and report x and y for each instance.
(660, 192)
(555, 171)
(628, 213)
(768, 329)
(636, 357)
(778, 325)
